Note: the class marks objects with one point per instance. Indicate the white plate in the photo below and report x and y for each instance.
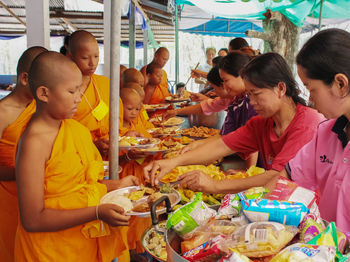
(176, 100)
(153, 142)
(165, 131)
(173, 121)
(174, 197)
(156, 107)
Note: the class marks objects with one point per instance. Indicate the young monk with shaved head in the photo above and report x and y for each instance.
(16, 110)
(59, 175)
(157, 95)
(94, 107)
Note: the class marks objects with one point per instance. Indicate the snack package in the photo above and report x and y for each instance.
(230, 207)
(309, 228)
(329, 237)
(255, 192)
(234, 257)
(188, 217)
(196, 240)
(288, 213)
(259, 239)
(305, 252)
(287, 190)
(240, 221)
(206, 252)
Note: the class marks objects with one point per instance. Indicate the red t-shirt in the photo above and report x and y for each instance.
(258, 135)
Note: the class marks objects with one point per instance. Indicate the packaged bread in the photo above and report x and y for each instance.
(259, 239)
(304, 252)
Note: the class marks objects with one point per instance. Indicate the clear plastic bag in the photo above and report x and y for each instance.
(259, 239)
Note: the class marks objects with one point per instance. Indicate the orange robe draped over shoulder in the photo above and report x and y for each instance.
(8, 190)
(161, 91)
(71, 182)
(98, 129)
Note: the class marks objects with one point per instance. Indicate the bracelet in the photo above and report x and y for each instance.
(127, 157)
(97, 218)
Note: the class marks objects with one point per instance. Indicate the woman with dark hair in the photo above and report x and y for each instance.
(324, 163)
(282, 127)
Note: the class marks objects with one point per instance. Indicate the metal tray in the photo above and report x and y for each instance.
(156, 107)
(174, 197)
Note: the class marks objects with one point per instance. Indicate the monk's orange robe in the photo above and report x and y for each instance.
(8, 189)
(98, 88)
(144, 119)
(161, 91)
(137, 224)
(71, 182)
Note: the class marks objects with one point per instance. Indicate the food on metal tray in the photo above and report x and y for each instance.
(201, 131)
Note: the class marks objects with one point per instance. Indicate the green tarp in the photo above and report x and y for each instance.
(296, 11)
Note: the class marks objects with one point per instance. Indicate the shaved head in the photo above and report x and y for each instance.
(139, 89)
(27, 58)
(161, 57)
(79, 37)
(161, 50)
(129, 94)
(133, 75)
(50, 69)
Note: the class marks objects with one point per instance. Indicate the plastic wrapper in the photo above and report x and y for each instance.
(305, 252)
(230, 207)
(255, 192)
(188, 217)
(240, 221)
(288, 213)
(207, 252)
(309, 228)
(259, 239)
(331, 237)
(235, 257)
(287, 190)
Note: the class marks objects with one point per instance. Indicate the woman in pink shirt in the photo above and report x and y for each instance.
(282, 127)
(324, 163)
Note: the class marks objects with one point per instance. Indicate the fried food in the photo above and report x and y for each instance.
(201, 131)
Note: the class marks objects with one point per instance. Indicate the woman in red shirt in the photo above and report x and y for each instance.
(283, 125)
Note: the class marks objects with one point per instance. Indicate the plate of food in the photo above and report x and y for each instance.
(165, 131)
(129, 142)
(155, 107)
(136, 200)
(200, 132)
(154, 243)
(166, 145)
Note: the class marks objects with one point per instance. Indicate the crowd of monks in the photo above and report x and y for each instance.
(54, 130)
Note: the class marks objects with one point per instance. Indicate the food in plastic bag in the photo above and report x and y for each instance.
(196, 240)
(309, 228)
(240, 221)
(305, 252)
(331, 237)
(288, 213)
(188, 217)
(206, 252)
(231, 207)
(287, 190)
(255, 192)
(234, 257)
(259, 239)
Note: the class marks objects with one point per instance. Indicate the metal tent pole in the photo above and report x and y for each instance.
(132, 32)
(114, 89)
(320, 17)
(176, 45)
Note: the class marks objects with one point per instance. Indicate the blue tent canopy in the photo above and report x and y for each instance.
(224, 27)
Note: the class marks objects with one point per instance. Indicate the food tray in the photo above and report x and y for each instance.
(174, 197)
(155, 107)
(173, 121)
(176, 100)
(152, 142)
(165, 131)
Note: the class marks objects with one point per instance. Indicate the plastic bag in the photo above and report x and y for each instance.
(305, 252)
(283, 212)
(309, 228)
(331, 237)
(235, 257)
(259, 239)
(287, 190)
(188, 217)
(206, 252)
(230, 207)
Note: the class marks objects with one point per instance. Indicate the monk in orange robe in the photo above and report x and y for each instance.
(61, 218)
(93, 111)
(158, 93)
(16, 110)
